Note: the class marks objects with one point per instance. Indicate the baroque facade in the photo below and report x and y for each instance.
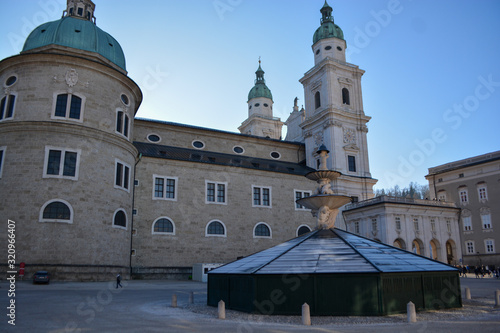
(473, 184)
(94, 191)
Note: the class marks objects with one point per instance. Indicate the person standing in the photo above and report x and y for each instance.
(118, 281)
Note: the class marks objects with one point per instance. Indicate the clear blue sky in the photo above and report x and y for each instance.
(432, 81)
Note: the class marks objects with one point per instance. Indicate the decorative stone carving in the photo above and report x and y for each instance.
(71, 77)
(349, 135)
(324, 187)
(318, 138)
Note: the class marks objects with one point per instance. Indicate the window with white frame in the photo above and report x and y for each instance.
(262, 230)
(463, 195)
(61, 163)
(356, 227)
(164, 188)
(163, 226)
(7, 105)
(416, 226)
(261, 196)
(482, 192)
(68, 106)
(397, 219)
(56, 210)
(122, 175)
(120, 219)
(2, 157)
(469, 247)
(489, 245)
(467, 221)
(303, 229)
(486, 221)
(448, 225)
(299, 195)
(215, 192)
(122, 123)
(215, 229)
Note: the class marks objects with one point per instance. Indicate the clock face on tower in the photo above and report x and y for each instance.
(349, 135)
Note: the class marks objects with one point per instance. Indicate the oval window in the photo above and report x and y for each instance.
(317, 52)
(328, 48)
(198, 144)
(124, 99)
(275, 155)
(339, 48)
(154, 138)
(265, 104)
(257, 105)
(250, 107)
(10, 81)
(238, 150)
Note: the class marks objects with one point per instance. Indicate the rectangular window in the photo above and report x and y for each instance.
(415, 224)
(483, 195)
(433, 225)
(122, 123)
(122, 175)
(356, 227)
(7, 107)
(463, 196)
(374, 224)
(467, 223)
(352, 163)
(448, 225)
(486, 221)
(398, 223)
(442, 196)
(2, 154)
(489, 245)
(299, 195)
(261, 196)
(164, 188)
(469, 245)
(61, 163)
(215, 192)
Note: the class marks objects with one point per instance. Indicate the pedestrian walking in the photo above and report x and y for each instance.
(119, 281)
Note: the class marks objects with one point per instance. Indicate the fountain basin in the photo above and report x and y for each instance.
(315, 202)
(323, 174)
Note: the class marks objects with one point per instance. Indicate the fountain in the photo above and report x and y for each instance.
(335, 272)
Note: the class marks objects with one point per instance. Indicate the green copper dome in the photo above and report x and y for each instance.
(328, 27)
(260, 89)
(78, 34)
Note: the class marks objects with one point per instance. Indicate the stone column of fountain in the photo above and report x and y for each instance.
(324, 204)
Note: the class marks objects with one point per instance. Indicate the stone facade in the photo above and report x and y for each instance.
(427, 227)
(474, 185)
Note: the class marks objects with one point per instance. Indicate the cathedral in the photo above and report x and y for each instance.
(94, 191)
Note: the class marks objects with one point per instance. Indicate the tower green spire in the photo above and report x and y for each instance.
(328, 28)
(260, 89)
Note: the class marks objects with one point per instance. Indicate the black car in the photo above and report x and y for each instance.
(41, 277)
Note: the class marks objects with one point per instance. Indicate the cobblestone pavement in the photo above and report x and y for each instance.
(145, 306)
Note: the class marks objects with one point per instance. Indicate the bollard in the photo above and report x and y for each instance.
(467, 293)
(222, 310)
(191, 298)
(412, 315)
(306, 315)
(174, 300)
(497, 298)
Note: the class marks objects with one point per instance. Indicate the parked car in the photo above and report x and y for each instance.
(41, 277)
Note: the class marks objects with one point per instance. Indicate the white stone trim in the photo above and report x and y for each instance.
(126, 219)
(71, 212)
(2, 159)
(68, 106)
(123, 176)
(153, 232)
(125, 120)
(270, 196)
(267, 225)
(215, 194)
(10, 93)
(303, 209)
(153, 133)
(212, 235)
(300, 226)
(61, 162)
(176, 179)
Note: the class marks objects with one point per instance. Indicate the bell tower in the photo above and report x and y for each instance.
(334, 111)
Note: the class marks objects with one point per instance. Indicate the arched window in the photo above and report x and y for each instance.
(262, 230)
(68, 106)
(215, 228)
(345, 97)
(7, 107)
(399, 243)
(317, 99)
(303, 229)
(163, 225)
(120, 219)
(57, 211)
